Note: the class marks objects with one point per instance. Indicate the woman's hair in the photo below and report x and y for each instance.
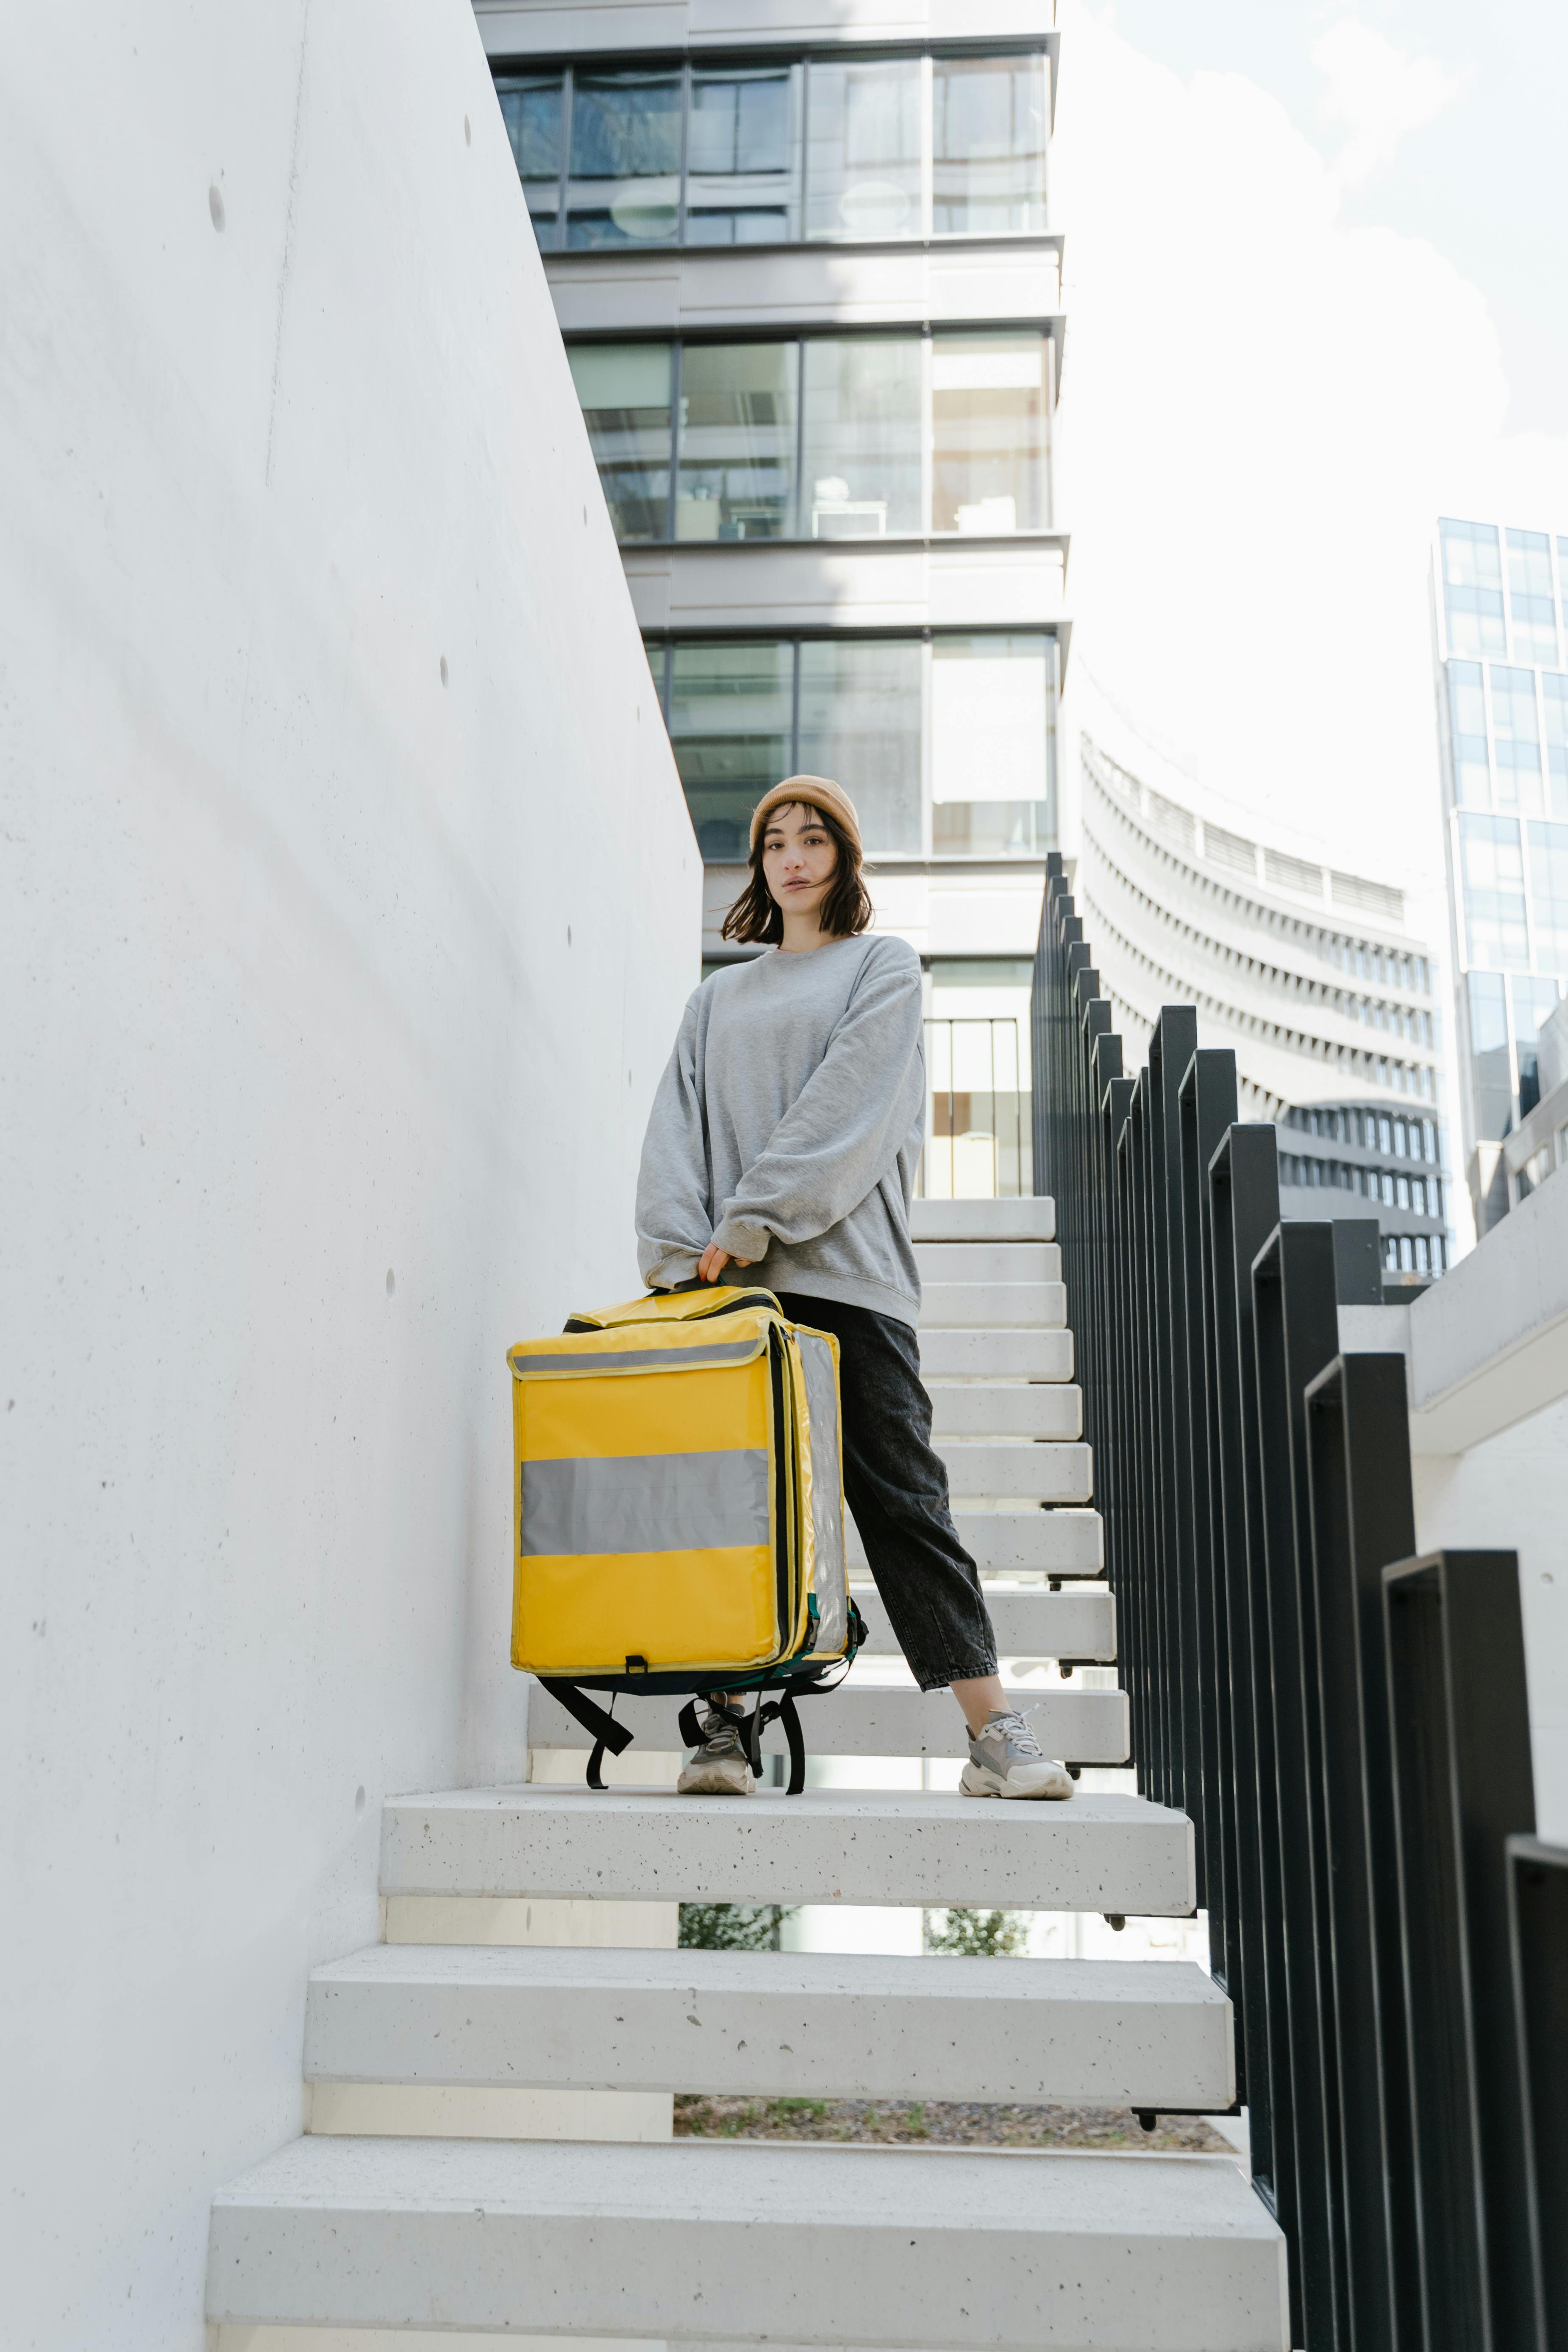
(756, 916)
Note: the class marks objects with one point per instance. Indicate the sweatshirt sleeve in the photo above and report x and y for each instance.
(845, 1128)
(674, 1212)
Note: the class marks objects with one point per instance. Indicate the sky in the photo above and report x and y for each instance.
(1317, 293)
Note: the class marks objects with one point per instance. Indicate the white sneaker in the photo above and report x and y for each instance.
(1006, 1759)
(720, 1768)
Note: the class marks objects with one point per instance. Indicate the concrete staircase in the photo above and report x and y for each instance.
(393, 2224)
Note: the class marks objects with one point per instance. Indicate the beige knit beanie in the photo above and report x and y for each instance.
(816, 792)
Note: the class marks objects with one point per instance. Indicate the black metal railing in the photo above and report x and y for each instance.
(1346, 1724)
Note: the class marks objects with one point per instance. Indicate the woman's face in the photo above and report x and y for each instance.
(800, 858)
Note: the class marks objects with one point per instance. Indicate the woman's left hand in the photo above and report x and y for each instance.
(713, 1261)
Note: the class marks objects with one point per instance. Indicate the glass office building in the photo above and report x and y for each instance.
(810, 293)
(1500, 628)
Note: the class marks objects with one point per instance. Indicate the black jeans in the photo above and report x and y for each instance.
(897, 1488)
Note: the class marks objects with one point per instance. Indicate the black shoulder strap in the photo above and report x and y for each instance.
(607, 1733)
(782, 1711)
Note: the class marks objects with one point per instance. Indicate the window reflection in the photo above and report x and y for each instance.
(730, 725)
(743, 713)
(713, 153)
(1472, 588)
(988, 427)
(742, 164)
(625, 392)
(1549, 893)
(625, 184)
(1516, 740)
(1533, 611)
(1468, 716)
(989, 122)
(863, 170)
(860, 722)
(1554, 694)
(531, 105)
(737, 441)
(862, 437)
(1494, 892)
(990, 723)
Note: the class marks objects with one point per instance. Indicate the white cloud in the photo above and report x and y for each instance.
(1378, 93)
(1263, 411)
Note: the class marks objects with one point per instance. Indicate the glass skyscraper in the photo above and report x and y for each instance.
(1502, 669)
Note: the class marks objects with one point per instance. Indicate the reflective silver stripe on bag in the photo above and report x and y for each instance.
(646, 1502)
(638, 1360)
(827, 1513)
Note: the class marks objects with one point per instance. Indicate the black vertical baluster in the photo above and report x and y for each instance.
(1459, 1710)
(1538, 1945)
(1296, 1322)
(1206, 1108)
(1244, 1204)
(1358, 1444)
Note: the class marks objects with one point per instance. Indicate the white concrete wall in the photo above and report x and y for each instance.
(350, 902)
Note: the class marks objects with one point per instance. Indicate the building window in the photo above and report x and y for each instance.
(1516, 740)
(988, 433)
(1493, 869)
(742, 165)
(1532, 613)
(863, 165)
(972, 714)
(1554, 697)
(1530, 1000)
(625, 391)
(1472, 588)
(1549, 893)
(736, 441)
(731, 723)
(989, 146)
(1467, 720)
(990, 736)
(863, 411)
(738, 153)
(863, 403)
(1489, 1056)
(623, 182)
(860, 717)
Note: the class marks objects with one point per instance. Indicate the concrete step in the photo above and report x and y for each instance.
(1020, 1472)
(994, 1305)
(1053, 1543)
(773, 2025)
(1005, 1355)
(709, 2240)
(1006, 1409)
(989, 1261)
(1029, 1624)
(983, 1221)
(1094, 1853)
(864, 1718)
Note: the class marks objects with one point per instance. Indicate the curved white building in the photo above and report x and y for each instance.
(1310, 974)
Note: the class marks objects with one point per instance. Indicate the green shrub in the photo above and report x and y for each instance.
(732, 1927)
(980, 1934)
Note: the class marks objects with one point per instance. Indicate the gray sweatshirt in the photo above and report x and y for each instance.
(788, 1124)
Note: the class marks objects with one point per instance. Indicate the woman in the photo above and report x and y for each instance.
(783, 1138)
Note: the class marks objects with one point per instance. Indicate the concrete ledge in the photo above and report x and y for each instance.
(1092, 1853)
(720, 2244)
(770, 2024)
(1029, 1624)
(984, 1221)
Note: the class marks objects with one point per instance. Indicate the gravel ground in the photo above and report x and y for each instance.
(949, 2122)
